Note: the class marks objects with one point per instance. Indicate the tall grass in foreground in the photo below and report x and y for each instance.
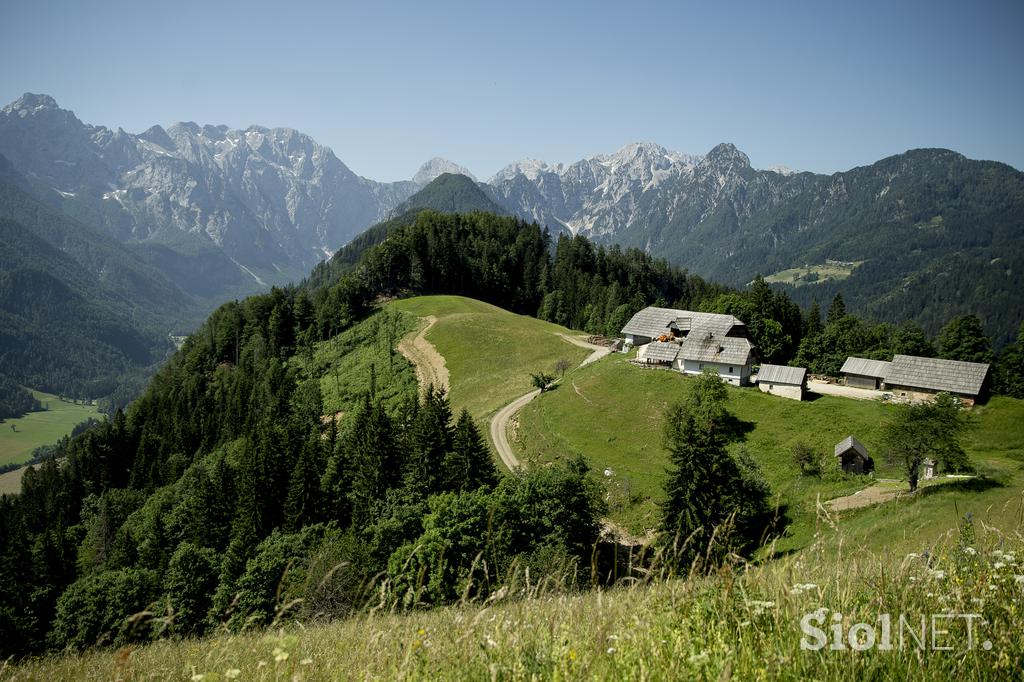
(742, 622)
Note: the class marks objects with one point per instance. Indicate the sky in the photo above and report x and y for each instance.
(818, 86)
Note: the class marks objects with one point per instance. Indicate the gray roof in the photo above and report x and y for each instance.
(936, 374)
(661, 351)
(728, 350)
(707, 337)
(865, 367)
(653, 322)
(779, 374)
(851, 443)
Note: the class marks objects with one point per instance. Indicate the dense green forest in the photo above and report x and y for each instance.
(222, 494)
(15, 400)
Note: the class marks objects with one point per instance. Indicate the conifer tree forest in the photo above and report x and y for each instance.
(222, 497)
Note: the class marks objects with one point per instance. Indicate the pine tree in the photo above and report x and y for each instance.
(375, 460)
(710, 504)
(303, 504)
(812, 323)
(837, 310)
(430, 439)
(469, 464)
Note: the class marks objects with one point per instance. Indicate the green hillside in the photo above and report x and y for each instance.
(611, 413)
(490, 352)
(450, 193)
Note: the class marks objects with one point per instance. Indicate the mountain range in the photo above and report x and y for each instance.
(221, 212)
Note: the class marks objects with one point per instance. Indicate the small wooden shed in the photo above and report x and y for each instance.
(853, 456)
(788, 382)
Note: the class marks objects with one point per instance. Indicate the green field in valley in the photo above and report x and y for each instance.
(41, 428)
(813, 274)
(611, 413)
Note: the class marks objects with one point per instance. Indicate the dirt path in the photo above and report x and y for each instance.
(429, 364)
(599, 351)
(499, 429)
(499, 424)
(874, 494)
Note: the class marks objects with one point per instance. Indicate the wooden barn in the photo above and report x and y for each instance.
(853, 456)
(865, 373)
(788, 382)
(915, 379)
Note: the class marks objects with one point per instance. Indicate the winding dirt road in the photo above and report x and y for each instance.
(499, 424)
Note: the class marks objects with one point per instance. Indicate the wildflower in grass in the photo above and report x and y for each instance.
(800, 588)
(1019, 579)
(611, 651)
(306, 661)
(280, 655)
(699, 658)
(232, 673)
(198, 677)
(970, 551)
(937, 574)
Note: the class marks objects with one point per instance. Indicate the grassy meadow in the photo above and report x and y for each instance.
(41, 428)
(826, 271)
(490, 352)
(611, 413)
(744, 623)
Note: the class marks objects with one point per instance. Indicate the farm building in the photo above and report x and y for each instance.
(853, 456)
(864, 373)
(788, 382)
(917, 378)
(658, 353)
(703, 340)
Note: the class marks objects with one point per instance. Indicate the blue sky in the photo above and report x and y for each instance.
(813, 86)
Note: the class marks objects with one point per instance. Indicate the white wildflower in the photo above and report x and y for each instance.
(611, 650)
(280, 655)
(1019, 579)
(198, 677)
(232, 673)
(800, 588)
(970, 551)
(306, 661)
(999, 564)
(699, 658)
(937, 574)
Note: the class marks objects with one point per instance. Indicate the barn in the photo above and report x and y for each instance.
(865, 373)
(704, 340)
(853, 456)
(788, 382)
(915, 378)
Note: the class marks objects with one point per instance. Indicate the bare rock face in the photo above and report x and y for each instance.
(274, 201)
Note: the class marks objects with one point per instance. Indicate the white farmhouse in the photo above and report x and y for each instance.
(704, 340)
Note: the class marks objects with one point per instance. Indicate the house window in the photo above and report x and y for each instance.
(730, 370)
(701, 366)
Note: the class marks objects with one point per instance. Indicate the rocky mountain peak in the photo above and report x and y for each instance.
(31, 103)
(727, 155)
(436, 167)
